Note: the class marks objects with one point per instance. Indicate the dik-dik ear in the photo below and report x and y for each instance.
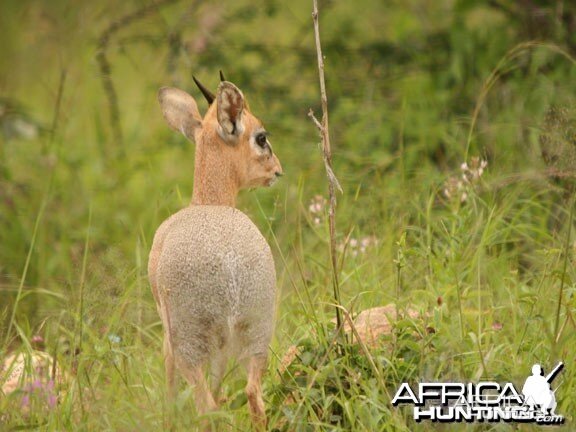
(230, 103)
(180, 111)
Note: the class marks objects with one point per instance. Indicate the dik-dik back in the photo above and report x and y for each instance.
(211, 270)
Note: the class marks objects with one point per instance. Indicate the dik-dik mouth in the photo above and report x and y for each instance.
(274, 179)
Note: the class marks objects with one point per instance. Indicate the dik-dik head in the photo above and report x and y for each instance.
(230, 140)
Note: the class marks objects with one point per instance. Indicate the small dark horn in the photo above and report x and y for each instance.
(222, 76)
(207, 93)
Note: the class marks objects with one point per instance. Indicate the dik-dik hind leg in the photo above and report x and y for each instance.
(202, 395)
(255, 368)
(169, 369)
(217, 371)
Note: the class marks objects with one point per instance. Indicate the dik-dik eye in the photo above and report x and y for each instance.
(261, 140)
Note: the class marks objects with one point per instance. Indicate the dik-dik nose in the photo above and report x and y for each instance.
(278, 172)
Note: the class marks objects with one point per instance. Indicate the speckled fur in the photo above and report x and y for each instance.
(215, 272)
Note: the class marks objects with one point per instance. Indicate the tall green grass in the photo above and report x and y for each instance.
(416, 89)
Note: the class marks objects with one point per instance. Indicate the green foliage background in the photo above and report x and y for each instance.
(88, 170)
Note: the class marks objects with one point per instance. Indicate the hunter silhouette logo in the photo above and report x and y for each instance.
(537, 391)
(485, 401)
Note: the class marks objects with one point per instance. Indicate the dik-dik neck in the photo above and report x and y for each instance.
(215, 178)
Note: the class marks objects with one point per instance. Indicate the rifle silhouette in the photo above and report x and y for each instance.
(550, 377)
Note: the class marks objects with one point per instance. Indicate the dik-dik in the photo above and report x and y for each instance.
(211, 270)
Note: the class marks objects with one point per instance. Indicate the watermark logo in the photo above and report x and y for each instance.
(485, 401)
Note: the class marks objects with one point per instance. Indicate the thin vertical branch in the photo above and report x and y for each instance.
(333, 183)
(106, 68)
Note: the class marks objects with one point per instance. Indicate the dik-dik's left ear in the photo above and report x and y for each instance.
(230, 104)
(180, 111)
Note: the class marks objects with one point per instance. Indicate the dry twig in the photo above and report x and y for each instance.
(333, 183)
